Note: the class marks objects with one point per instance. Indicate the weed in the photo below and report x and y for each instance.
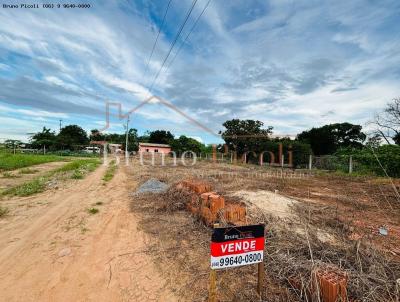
(9, 175)
(93, 210)
(3, 211)
(84, 230)
(77, 174)
(28, 171)
(110, 171)
(78, 168)
(31, 187)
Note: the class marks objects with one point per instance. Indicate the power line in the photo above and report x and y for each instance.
(187, 36)
(173, 44)
(155, 42)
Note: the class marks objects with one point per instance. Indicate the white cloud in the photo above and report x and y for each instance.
(41, 113)
(276, 61)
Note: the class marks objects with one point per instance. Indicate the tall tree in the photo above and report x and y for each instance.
(95, 135)
(160, 137)
(72, 136)
(132, 140)
(388, 122)
(184, 143)
(245, 135)
(45, 138)
(329, 138)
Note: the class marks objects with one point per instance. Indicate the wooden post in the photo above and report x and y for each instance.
(260, 279)
(212, 296)
(351, 164)
(231, 157)
(310, 162)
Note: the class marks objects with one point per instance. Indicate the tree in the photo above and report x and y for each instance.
(245, 135)
(12, 144)
(95, 135)
(388, 122)
(329, 138)
(45, 138)
(72, 136)
(396, 139)
(160, 137)
(184, 143)
(132, 140)
(374, 141)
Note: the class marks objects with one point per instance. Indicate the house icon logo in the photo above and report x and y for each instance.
(153, 99)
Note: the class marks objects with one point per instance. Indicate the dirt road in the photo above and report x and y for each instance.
(56, 250)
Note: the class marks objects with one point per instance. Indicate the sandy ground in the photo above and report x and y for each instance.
(56, 251)
(20, 178)
(269, 202)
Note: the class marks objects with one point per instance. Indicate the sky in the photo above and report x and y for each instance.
(293, 65)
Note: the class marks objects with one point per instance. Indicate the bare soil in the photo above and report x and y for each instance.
(147, 247)
(55, 250)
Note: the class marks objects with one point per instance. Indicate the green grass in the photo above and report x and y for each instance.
(34, 186)
(110, 171)
(80, 164)
(3, 211)
(28, 171)
(10, 161)
(77, 169)
(93, 210)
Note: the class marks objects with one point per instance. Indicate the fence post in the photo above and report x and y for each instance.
(231, 157)
(282, 160)
(310, 162)
(351, 164)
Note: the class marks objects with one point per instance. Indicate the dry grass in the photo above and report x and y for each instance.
(180, 242)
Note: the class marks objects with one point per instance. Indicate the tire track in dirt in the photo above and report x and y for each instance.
(106, 262)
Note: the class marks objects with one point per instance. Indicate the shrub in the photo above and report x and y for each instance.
(376, 161)
(3, 211)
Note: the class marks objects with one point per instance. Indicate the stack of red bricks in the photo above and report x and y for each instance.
(332, 284)
(212, 207)
(329, 284)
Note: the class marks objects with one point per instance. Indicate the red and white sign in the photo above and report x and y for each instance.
(237, 246)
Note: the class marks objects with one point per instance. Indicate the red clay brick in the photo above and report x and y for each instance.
(332, 284)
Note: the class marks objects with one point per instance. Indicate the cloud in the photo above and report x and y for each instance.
(293, 65)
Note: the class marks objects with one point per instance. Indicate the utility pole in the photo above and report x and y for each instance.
(60, 124)
(126, 140)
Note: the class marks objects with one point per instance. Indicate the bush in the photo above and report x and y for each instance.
(300, 152)
(370, 160)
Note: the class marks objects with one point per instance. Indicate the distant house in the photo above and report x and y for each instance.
(156, 148)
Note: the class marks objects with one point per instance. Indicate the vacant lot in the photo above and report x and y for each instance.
(92, 239)
(312, 220)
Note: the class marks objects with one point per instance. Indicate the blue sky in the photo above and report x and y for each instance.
(291, 64)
